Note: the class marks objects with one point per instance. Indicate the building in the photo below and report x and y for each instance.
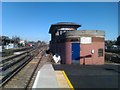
(7, 43)
(77, 46)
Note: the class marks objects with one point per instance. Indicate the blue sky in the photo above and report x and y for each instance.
(32, 20)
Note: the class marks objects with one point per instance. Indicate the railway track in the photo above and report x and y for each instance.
(44, 59)
(24, 77)
(10, 66)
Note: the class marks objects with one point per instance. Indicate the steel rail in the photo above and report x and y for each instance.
(9, 75)
(14, 56)
(42, 54)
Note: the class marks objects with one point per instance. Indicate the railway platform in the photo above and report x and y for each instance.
(48, 78)
(75, 77)
(92, 76)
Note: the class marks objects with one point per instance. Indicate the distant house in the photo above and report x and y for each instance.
(22, 42)
(29, 44)
(8, 43)
(114, 46)
(9, 46)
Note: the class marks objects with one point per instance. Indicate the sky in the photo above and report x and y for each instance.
(32, 20)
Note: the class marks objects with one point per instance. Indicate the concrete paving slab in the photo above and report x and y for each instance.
(46, 78)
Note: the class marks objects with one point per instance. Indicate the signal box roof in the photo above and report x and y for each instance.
(53, 26)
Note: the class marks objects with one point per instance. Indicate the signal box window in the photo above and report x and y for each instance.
(100, 52)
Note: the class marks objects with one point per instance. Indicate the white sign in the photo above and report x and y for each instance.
(86, 40)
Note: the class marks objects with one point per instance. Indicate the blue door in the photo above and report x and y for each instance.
(75, 52)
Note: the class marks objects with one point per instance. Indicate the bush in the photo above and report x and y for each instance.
(7, 52)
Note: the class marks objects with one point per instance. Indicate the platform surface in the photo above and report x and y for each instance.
(92, 76)
(46, 78)
(62, 82)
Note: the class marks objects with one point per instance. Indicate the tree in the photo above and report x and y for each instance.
(118, 40)
(16, 39)
(110, 43)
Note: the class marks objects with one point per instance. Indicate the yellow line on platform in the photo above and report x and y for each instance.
(68, 81)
